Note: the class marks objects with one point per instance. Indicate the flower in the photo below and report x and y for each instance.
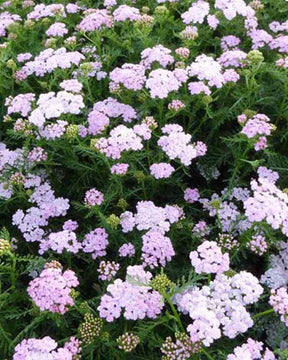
(57, 29)
(209, 259)
(161, 82)
(52, 289)
(46, 348)
(96, 20)
(137, 301)
(128, 342)
(161, 170)
(93, 197)
(95, 242)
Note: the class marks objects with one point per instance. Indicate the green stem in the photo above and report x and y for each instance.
(263, 313)
(175, 313)
(92, 41)
(160, 112)
(209, 278)
(237, 168)
(178, 168)
(148, 154)
(13, 268)
(69, 260)
(207, 354)
(144, 189)
(89, 89)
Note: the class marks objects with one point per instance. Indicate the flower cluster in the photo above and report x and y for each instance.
(258, 244)
(37, 154)
(60, 241)
(99, 117)
(161, 170)
(196, 13)
(95, 20)
(206, 68)
(93, 197)
(46, 348)
(48, 206)
(128, 342)
(53, 105)
(90, 329)
(131, 76)
(59, 300)
(125, 12)
(127, 250)
(120, 139)
(209, 259)
(177, 145)
(157, 249)
(279, 301)
(107, 270)
(158, 54)
(257, 128)
(150, 216)
(57, 29)
(220, 305)
(183, 348)
(191, 195)
(95, 242)
(251, 350)
(137, 301)
(49, 60)
(276, 276)
(268, 202)
(161, 82)
(42, 10)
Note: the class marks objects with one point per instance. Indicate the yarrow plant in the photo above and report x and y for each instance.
(143, 180)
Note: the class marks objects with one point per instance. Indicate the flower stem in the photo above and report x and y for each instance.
(13, 268)
(207, 354)
(175, 313)
(263, 313)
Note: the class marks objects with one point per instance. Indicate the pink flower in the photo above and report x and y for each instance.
(131, 76)
(57, 29)
(52, 289)
(251, 350)
(95, 242)
(119, 169)
(137, 302)
(107, 270)
(125, 12)
(96, 20)
(198, 87)
(183, 52)
(191, 195)
(209, 259)
(213, 21)
(196, 13)
(127, 250)
(161, 170)
(157, 249)
(93, 197)
(71, 85)
(158, 54)
(279, 301)
(161, 82)
(46, 348)
(176, 105)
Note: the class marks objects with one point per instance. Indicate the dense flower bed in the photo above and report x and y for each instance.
(143, 180)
